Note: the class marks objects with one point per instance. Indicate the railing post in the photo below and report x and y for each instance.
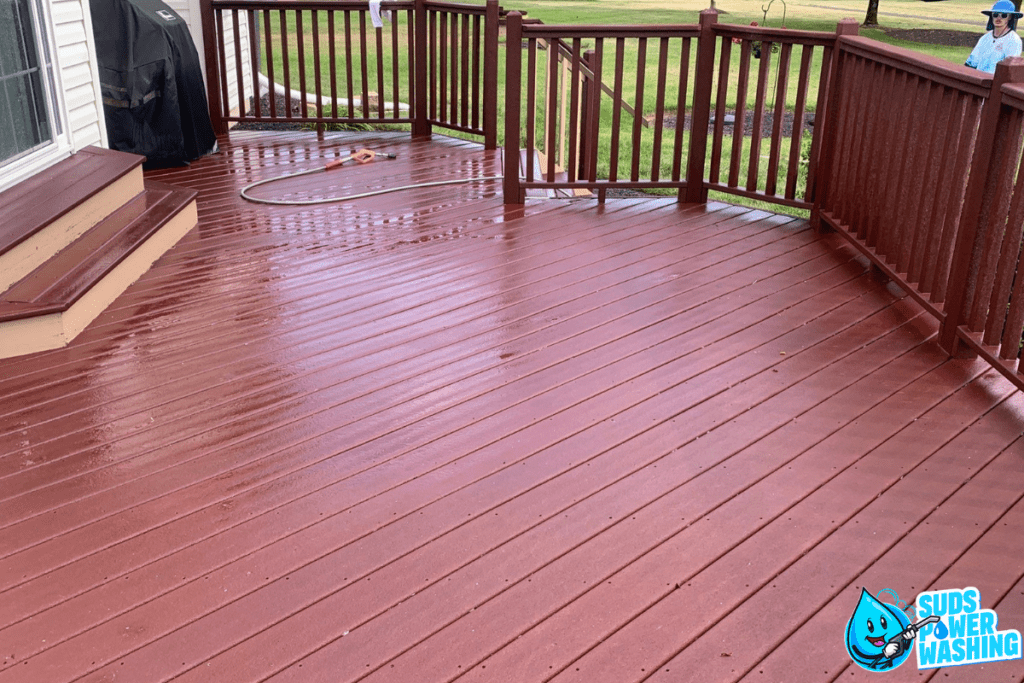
(213, 74)
(823, 121)
(421, 124)
(695, 192)
(963, 271)
(491, 75)
(514, 194)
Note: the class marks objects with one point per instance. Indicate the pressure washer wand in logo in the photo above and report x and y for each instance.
(900, 643)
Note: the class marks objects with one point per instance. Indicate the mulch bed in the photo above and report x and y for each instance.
(935, 36)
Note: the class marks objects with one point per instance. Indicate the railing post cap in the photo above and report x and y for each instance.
(709, 16)
(1011, 69)
(847, 27)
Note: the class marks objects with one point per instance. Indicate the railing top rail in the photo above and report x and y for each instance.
(352, 5)
(456, 7)
(553, 31)
(775, 34)
(1013, 95)
(963, 78)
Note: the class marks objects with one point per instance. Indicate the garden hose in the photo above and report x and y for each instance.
(363, 156)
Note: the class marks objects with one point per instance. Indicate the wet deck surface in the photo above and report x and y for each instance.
(420, 438)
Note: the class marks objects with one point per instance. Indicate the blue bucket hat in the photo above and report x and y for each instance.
(1003, 7)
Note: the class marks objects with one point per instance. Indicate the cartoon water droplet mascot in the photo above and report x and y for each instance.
(879, 636)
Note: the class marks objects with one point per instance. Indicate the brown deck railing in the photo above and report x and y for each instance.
(554, 104)
(986, 290)
(325, 63)
(678, 80)
(900, 150)
(776, 52)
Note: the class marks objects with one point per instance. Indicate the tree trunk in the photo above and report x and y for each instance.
(871, 18)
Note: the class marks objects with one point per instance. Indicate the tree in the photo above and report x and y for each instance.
(871, 18)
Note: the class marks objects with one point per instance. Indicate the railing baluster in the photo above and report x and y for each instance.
(740, 122)
(464, 45)
(226, 111)
(315, 26)
(475, 61)
(531, 105)
(349, 75)
(755, 139)
(910, 186)
(950, 232)
(552, 110)
(715, 172)
(453, 98)
(332, 56)
(613, 164)
(867, 148)
(931, 164)
(378, 36)
(442, 95)
(239, 79)
(638, 107)
(286, 64)
(875, 201)
(395, 62)
(572, 162)
(254, 68)
(271, 95)
(797, 139)
(952, 115)
(780, 111)
(417, 70)
(659, 108)
(594, 115)
(301, 49)
(680, 128)
(432, 39)
(364, 66)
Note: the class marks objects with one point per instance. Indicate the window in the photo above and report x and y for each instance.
(27, 84)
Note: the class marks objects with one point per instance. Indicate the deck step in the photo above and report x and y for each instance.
(44, 214)
(540, 172)
(50, 306)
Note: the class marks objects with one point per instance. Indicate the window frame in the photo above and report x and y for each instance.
(27, 164)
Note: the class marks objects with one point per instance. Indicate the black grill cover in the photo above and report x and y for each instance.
(154, 99)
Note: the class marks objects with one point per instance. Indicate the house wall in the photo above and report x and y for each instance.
(189, 10)
(78, 75)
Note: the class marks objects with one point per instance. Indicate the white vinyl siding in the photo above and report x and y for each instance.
(78, 73)
(189, 10)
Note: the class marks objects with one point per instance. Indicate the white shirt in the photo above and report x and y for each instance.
(991, 50)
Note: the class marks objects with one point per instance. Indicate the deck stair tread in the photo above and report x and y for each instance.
(64, 279)
(79, 177)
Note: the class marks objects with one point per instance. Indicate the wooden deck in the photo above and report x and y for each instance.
(423, 438)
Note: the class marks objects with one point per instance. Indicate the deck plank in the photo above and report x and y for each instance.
(425, 437)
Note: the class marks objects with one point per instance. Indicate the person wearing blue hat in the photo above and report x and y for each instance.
(1001, 41)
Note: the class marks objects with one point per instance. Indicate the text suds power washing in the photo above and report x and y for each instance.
(943, 628)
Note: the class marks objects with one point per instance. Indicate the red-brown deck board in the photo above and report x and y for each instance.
(423, 437)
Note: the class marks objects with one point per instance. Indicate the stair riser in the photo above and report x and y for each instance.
(40, 247)
(54, 331)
